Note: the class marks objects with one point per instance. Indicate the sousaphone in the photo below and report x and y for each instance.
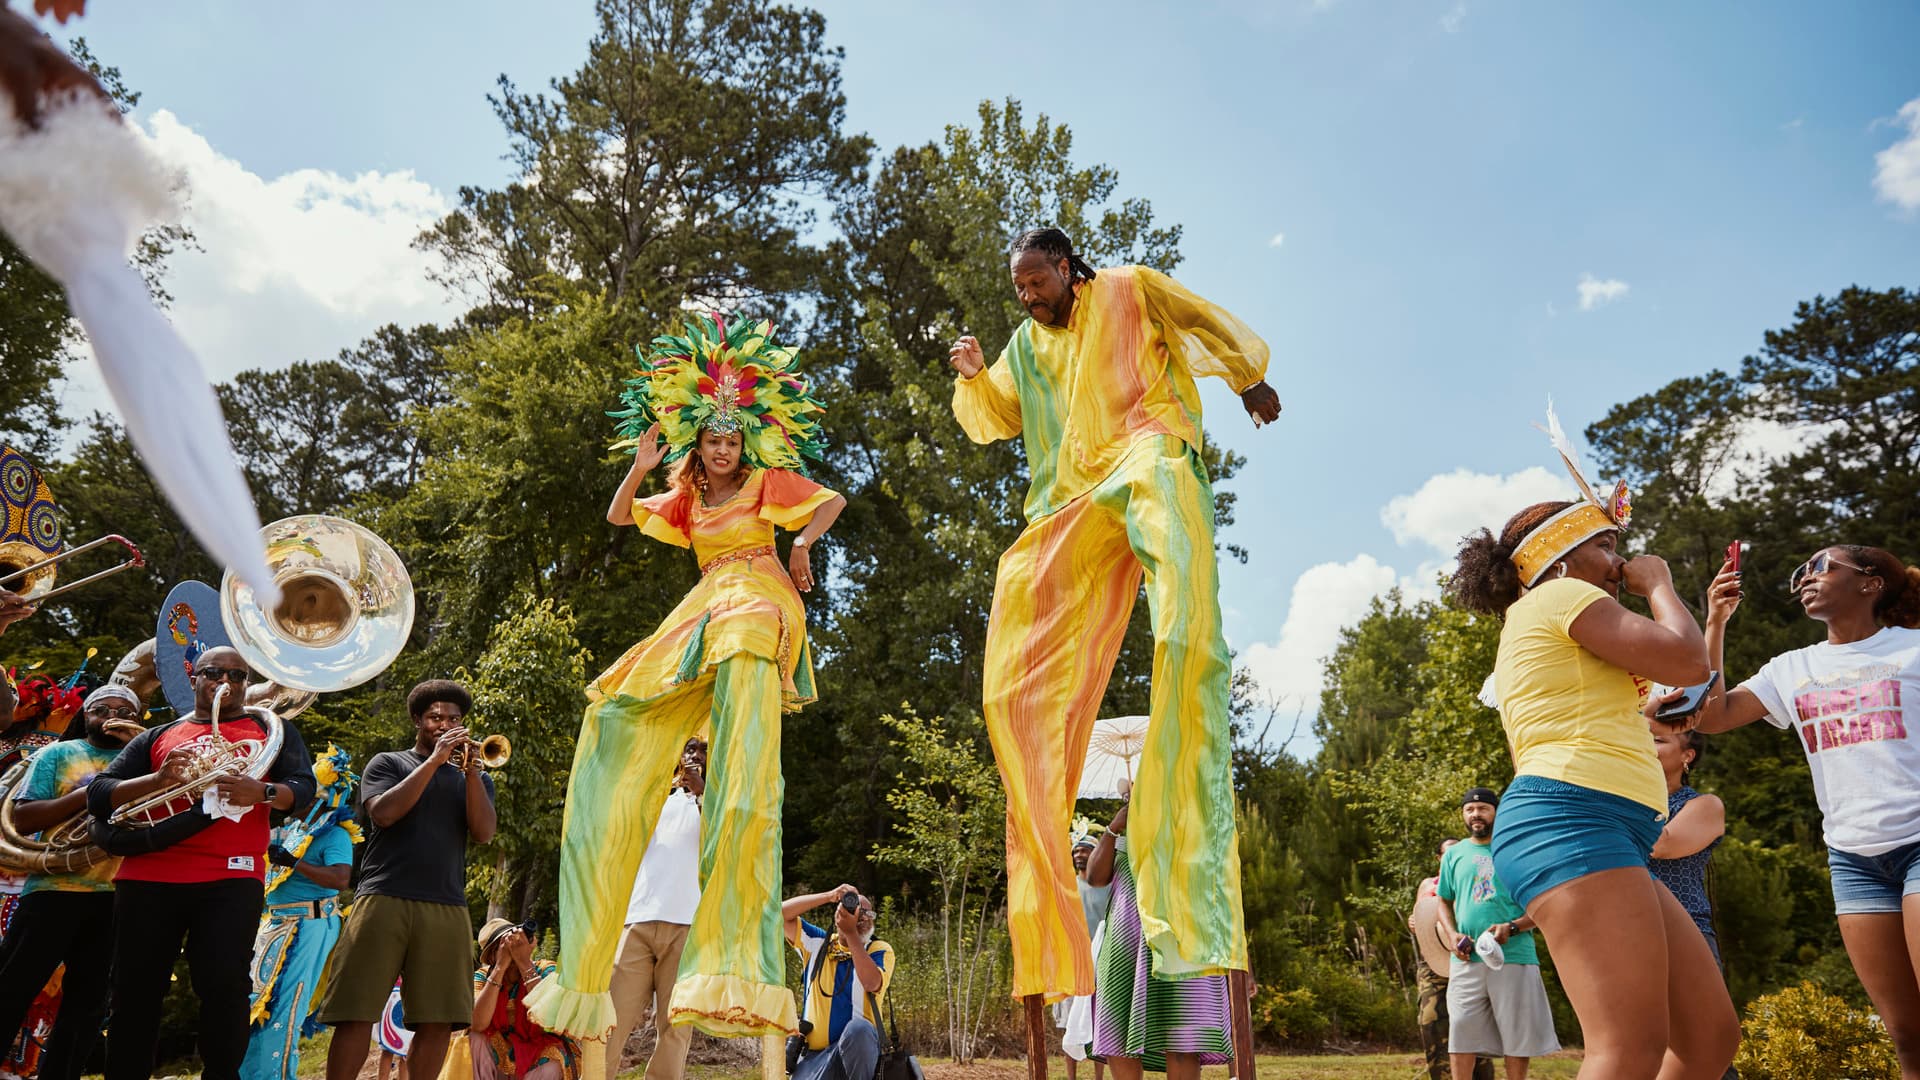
(345, 612)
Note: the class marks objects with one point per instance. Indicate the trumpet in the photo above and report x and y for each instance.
(493, 751)
(21, 560)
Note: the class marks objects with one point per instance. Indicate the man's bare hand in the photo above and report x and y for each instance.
(13, 608)
(33, 69)
(966, 357)
(1262, 403)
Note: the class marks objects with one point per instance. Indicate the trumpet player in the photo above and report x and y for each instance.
(409, 918)
(13, 608)
(202, 881)
(65, 918)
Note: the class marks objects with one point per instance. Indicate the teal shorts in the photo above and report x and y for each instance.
(1549, 832)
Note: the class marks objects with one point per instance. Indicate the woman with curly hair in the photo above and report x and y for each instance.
(1579, 822)
(1852, 700)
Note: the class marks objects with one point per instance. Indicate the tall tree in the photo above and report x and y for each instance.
(671, 167)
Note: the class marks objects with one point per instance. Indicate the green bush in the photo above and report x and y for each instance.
(1802, 1032)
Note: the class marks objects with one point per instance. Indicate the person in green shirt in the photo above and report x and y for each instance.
(1497, 1002)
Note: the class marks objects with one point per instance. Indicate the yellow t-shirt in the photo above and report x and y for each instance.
(1569, 715)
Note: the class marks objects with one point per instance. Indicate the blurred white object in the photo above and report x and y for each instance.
(216, 805)
(76, 196)
(1490, 951)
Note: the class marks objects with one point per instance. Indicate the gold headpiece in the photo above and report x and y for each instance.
(1549, 541)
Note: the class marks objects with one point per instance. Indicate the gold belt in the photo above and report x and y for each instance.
(733, 557)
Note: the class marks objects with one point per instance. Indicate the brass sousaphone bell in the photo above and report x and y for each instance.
(346, 610)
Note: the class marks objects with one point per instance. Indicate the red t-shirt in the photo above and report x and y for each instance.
(224, 849)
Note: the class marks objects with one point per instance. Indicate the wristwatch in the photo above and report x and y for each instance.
(800, 541)
(271, 793)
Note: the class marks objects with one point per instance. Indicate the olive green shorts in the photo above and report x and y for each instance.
(429, 947)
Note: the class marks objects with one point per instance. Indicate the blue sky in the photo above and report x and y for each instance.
(1405, 198)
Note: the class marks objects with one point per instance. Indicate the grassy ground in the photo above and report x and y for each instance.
(1402, 1066)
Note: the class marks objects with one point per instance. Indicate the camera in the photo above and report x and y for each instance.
(797, 1045)
(851, 902)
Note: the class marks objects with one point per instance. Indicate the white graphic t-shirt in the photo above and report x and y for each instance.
(1853, 706)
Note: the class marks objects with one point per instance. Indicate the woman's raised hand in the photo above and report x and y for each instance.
(1724, 595)
(1645, 573)
(649, 451)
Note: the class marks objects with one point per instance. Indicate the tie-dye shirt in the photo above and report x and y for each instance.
(57, 769)
(1122, 369)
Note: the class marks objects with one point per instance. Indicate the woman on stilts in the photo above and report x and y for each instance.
(725, 403)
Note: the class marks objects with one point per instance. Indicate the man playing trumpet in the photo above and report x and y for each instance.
(66, 918)
(409, 916)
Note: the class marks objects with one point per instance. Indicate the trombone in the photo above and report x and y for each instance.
(26, 561)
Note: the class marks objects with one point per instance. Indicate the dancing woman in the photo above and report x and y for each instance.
(1579, 821)
(1852, 699)
(733, 655)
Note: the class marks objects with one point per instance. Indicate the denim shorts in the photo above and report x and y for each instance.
(1549, 832)
(1873, 884)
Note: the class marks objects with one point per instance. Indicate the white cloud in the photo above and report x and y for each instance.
(1325, 598)
(1278, 239)
(1455, 16)
(1596, 293)
(1451, 505)
(1896, 177)
(291, 267)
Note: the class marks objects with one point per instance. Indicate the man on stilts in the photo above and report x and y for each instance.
(1100, 384)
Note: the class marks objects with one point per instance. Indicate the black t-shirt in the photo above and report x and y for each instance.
(423, 856)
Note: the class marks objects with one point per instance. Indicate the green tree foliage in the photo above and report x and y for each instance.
(527, 686)
(670, 168)
(1802, 1032)
(952, 826)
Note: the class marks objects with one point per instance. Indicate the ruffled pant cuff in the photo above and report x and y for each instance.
(566, 1011)
(727, 1005)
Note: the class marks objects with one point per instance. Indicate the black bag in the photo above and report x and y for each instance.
(895, 1062)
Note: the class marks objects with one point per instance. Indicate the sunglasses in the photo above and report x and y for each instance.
(124, 712)
(229, 674)
(1819, 564)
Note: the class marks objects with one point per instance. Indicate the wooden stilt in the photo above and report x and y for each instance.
(1240, 1000)
(773, 1057)
(1036, 1036)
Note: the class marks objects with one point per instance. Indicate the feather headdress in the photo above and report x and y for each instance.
(727, 376)
(1589, 516)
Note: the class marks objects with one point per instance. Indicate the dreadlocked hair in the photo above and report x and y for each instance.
(1899, 603)
(1486, 581)
(1055, 245)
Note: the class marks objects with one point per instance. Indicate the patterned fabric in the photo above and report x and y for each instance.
(1137, 1015)
(743, 606)
(831, 985)
(1121, 370)
(1060, 610)
(1433, 1025)
(22, 1056)
(1686, 877)
(517, 1043)
(293, 952)
(57, 770)
(731, 656)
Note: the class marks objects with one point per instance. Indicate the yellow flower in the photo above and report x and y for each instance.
(352, 829)
(324, 774)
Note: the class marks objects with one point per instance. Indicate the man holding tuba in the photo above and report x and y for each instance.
(202, 881)
(66, 918)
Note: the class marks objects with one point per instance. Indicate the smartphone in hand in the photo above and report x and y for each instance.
(1736, 551)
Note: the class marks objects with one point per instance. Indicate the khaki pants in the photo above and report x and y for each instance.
(643, 974)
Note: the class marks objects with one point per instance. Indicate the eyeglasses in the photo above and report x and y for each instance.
(122, 713)
(229, 674)
(1820, 564)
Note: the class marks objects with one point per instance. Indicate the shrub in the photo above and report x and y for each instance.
(1803, 1032)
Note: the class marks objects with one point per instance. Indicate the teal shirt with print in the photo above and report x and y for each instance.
(331, 846)
(57, 769)
(1479, 899)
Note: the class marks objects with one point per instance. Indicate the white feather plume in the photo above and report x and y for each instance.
(76, 195)
(1558, 436)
